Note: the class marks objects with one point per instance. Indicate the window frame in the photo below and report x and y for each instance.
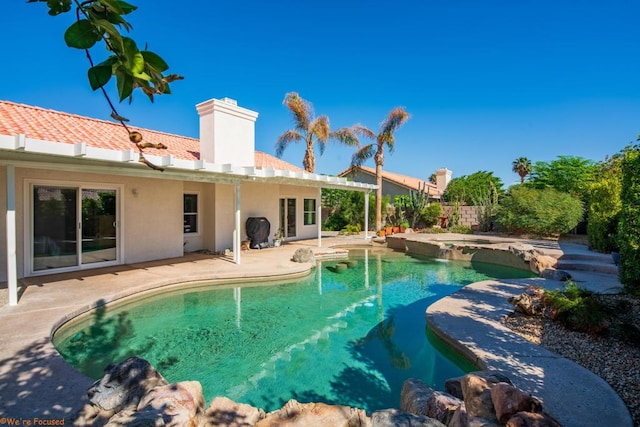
(196, 213)
(306, 212)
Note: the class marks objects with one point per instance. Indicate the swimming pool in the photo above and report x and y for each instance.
(342, 335)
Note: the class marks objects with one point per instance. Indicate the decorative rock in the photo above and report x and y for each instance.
(224, 412)
(508, 400)
(124, 384)
(482, 422)
(530, 419)
(459, 418)
(131, 418)
(396, 418)
(414, 396)
(441, 406)
(477, 397)
(526, 304)
(314, 414)
(303, 255)
(553, 274)
(538, 263)
(178, 404)
(523, 251)
(453, 385)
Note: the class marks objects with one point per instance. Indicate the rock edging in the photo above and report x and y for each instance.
(134, 393)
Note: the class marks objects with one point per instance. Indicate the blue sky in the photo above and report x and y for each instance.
(485, 81)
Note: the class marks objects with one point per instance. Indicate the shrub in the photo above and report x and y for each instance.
(545, 212)
(460, 229)
(629, 226)
(604, 205)
(577, 309)
(430, 214)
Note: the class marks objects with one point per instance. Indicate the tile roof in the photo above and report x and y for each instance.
(404, 180)
(51, 125)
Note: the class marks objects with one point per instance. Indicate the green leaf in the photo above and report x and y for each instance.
(113, 6)
(103, 24)
(125, 83)
(135, 60)
(81, 35)
(155, 61)
(99, 76)
(126, 7)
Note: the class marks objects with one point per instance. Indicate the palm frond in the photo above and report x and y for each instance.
(362, 154)
(300, 108)
(285, 139)
(319, 129)
(363, 131)
(396, 118)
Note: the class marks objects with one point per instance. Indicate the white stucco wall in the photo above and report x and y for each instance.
(151, 213)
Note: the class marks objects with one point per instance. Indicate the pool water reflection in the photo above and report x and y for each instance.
(342, 335)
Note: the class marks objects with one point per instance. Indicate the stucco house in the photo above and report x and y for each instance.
(395, 184)
(75, 195)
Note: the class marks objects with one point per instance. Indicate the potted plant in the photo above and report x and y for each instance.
(404, 225)
(278, 237)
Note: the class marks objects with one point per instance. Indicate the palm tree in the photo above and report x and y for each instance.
(396, 118)
(522, 166)
(308, 129)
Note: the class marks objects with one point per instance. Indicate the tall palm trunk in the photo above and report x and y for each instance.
(379, 196)
(309, 161)
(379, 159)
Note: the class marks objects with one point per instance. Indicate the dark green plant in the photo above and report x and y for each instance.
(466, 188)
(541, 212)
(460, 229)
(604, 205)
(430, 215)
(346, 207)
(567, 174)
(629, 226)
(418, 200)
(486, 203)
(576, 309)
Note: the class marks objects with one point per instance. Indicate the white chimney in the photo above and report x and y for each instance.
(227, 132)
(443, 176)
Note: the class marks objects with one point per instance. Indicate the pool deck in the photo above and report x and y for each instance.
(36, 382)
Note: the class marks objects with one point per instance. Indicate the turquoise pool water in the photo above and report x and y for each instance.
(348, 336)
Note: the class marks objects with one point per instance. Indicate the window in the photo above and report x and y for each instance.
(309, 211)
(190, 213)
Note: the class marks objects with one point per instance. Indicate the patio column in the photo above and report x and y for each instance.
(366, 215)
(236, 231)
(319, 217)
(12, 277)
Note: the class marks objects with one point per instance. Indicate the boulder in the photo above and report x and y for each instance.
(459, 418)
(177, 404)
(553, 274)
(224, 412)
(526, 304)
(314, 414)
(124, 384)
(523, 251)
(482, 422)
(396, 418)
(441, 406)
(414, 396)
(303, 255)
(453, 385)
(538, 263)
(477, 397)
(531, 419)
(508, 400)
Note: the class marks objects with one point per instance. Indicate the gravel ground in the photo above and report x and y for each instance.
(615, 356)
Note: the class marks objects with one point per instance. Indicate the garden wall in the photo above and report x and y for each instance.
(468, 214)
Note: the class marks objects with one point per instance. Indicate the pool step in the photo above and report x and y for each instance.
(588, 265)
(591, 256)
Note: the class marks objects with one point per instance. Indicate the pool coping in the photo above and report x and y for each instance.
(36, 382)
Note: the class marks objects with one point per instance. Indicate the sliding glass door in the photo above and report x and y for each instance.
(73, 226)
